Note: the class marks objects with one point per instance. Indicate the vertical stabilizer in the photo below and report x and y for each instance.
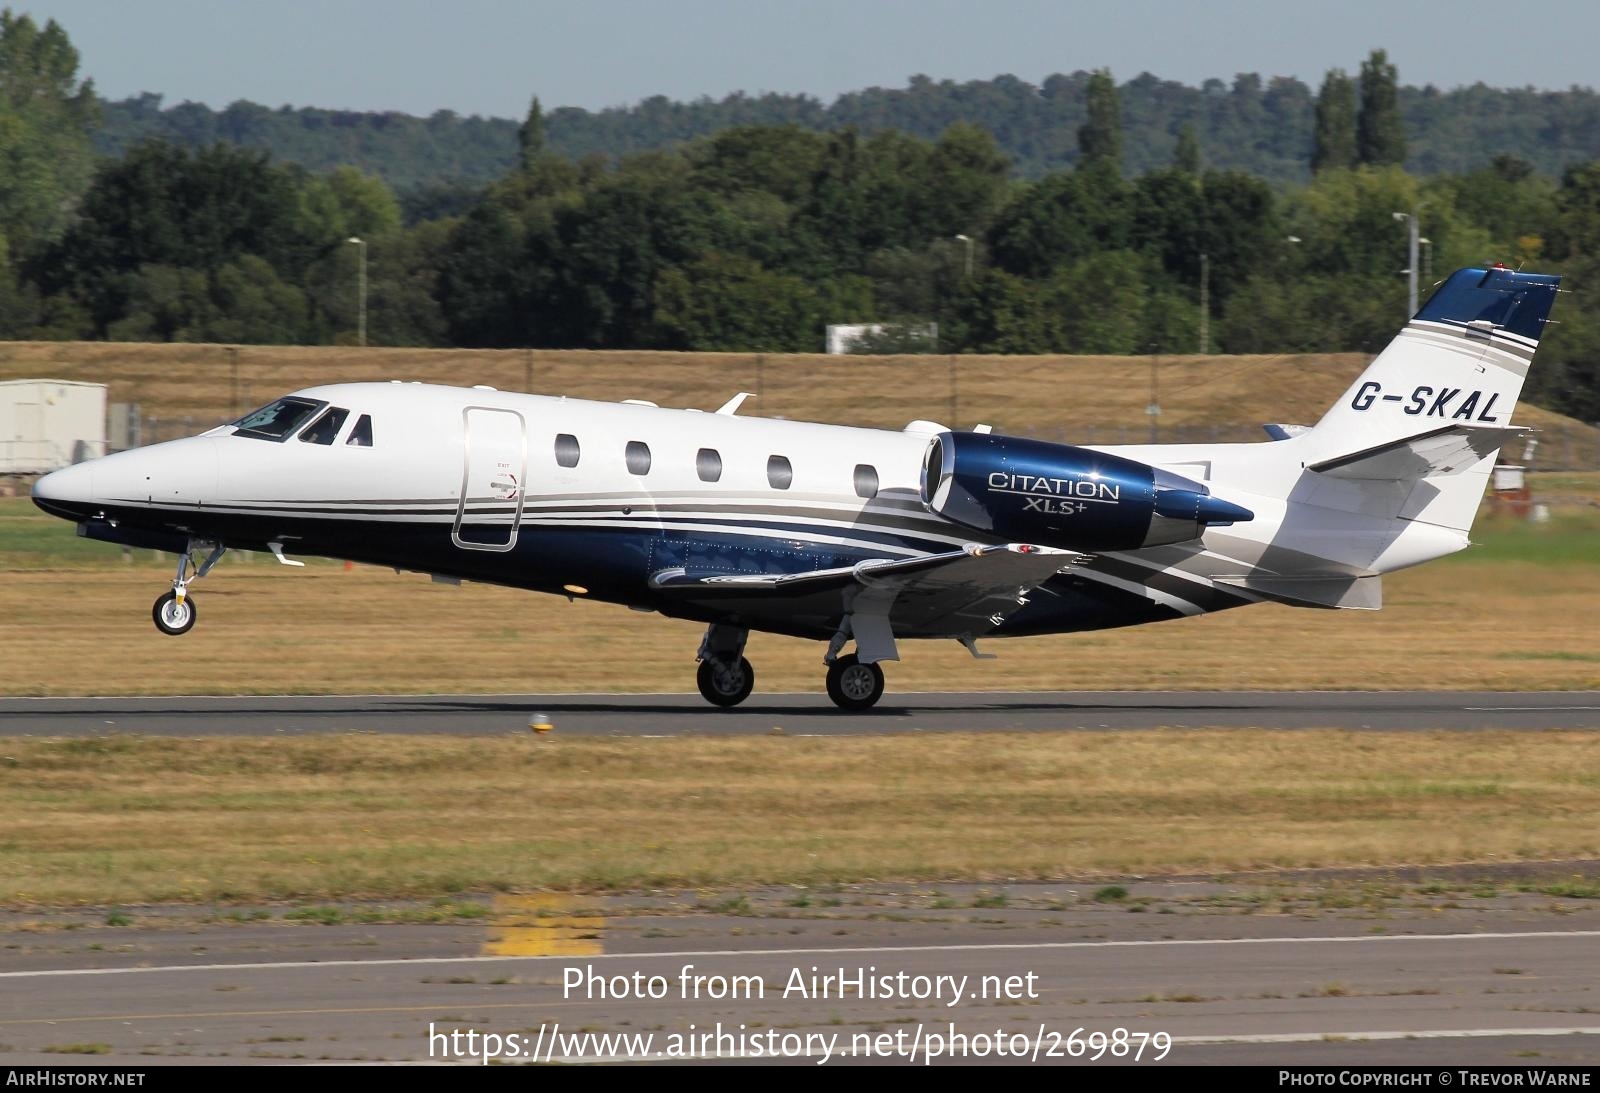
(1457, 366)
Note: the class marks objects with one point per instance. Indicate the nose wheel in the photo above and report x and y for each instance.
(174, 612)
(853, 685)
(172, 616)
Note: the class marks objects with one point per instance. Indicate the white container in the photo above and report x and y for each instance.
(49, 424)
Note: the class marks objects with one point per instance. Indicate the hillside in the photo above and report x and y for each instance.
(184, 388)
(1253, 124)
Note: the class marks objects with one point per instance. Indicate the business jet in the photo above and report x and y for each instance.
(847, 536)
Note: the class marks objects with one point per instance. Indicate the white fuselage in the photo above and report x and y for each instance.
(469, 482)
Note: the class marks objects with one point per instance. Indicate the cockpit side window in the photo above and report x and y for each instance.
(326, 428)
(277, 421)
(361, 434)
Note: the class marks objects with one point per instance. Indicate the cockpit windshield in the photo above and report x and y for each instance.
(277, 420)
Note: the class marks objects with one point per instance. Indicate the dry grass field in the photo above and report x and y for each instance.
(1058, 397)
(269, 630)
(1514, 612)
(124, 819)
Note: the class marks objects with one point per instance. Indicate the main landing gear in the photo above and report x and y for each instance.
(726, 678)
(853, 685)
(174, 612)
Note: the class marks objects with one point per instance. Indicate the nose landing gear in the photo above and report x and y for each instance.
(172, 615)
(174, 612)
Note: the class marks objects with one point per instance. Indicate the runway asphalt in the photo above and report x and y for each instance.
(636, 715)
(1335, 969)
(1245, 972)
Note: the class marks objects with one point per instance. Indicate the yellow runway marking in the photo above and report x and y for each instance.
(542, 925)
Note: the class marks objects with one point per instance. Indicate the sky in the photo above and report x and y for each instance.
(490, 56)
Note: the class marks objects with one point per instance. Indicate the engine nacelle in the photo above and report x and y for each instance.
(1062, 496)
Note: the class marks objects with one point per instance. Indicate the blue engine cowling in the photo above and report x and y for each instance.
(1062, 496)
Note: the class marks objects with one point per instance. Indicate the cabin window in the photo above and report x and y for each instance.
(780, 474)
(567, 451)
(866, 479)
(638, 456)
(326, 428)
(278, 420)
(708, 465)
(361, 434)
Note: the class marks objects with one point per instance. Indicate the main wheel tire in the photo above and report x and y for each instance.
(853, 685)
(173, 618)
(724, 684)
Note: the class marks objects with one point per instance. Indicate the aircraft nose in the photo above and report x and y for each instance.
(65, 491)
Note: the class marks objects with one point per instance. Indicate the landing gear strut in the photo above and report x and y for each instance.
(174, 612)
(725, 677)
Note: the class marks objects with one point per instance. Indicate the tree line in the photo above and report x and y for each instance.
(1263, 126)
(754, 237)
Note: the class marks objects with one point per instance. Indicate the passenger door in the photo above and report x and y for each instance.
(494, 455)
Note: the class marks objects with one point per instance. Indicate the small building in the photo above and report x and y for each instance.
(49, 424)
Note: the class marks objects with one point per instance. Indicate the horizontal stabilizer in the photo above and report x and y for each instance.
(1446, 451)
(1285, 432)
(1350, 593)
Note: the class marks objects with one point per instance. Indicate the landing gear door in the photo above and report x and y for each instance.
(494, 471)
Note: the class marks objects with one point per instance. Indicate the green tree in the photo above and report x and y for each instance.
(47, 116)
(1061, 218)
(615, 245)
(1242, 230)
(723, 302)
(1335, 134)
(1098, 304)
(1380, 131)
(1576, 232)
(530, 135)
(163, 303)
(964, 179)
(368, 205)
(1004, 314)
(499, 271)
(1169, 222)
(1186, 157)
(163, 208)
(250, 304)
(1100, 137)
(403, 287)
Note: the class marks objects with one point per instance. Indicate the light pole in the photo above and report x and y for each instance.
(967, 239)
(361, 291)
(1410, 221)
(1427, 260)
(1205, 304)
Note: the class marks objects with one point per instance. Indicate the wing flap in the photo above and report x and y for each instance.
(968, 590)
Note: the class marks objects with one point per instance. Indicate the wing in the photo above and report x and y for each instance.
(968, 591)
